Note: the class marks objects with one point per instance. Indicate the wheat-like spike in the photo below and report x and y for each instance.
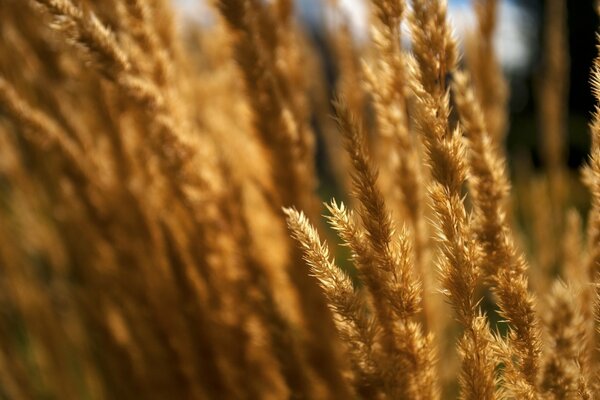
(433, 46)
(592, 180)
(574, 263)
(385, 264)
(512, 384)
(354, 236)
(352, 322)
(97, 42)
(503, 265)
(140, 21)
(446, 154)
(373, 212)
(336, 284)
(459, 276)
(592, 172)
(390, 255)
(405, 345)
(476, 350)
(88, 33)
(435, 55)
(445, 150)
(387, 81)
(389, 288)
(488, 181)
(564, 375)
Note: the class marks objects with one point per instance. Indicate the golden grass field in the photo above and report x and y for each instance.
(162, 235)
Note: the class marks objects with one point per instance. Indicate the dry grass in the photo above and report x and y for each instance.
(160, 231)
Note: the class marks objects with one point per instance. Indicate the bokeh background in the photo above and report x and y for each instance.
(518, 42)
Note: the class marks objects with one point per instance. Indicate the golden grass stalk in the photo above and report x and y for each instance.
(88, 33)
(354, 326)
(592, 174)
(256, 41)
(288, 144)
(98, 45)
(376, 220)
(591, 177)
(387, 81)
(44, 132)
(385, 264)
(575, 262)
(500, 260)
(490, 86)
(435, 55)
(564, 375)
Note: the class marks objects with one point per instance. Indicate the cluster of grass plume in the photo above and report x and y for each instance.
(161, 235)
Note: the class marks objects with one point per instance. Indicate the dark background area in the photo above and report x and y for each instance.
(524, 134)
